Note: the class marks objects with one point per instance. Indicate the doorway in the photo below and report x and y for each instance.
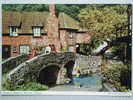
(6, 51)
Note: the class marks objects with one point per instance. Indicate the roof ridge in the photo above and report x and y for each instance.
(64, 19)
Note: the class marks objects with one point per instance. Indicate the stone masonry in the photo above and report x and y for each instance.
(13, 62)
(89, 64)
(30, 69)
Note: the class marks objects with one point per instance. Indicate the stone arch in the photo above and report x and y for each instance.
(48, 74)
(69, 68)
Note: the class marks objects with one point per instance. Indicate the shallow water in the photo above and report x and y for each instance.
(93, 80)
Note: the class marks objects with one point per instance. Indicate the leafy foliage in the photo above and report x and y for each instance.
(70, 9)
(118, 74)
(88, 48)
(24, 7)
(103, 21)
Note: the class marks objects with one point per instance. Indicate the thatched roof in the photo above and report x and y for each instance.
(67, 22)
(24, 20)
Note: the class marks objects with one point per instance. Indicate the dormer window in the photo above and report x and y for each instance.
(13, 31)
(37, 31)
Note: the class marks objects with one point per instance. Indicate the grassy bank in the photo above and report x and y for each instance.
(27, 86)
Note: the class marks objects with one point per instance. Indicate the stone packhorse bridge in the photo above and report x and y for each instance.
(47, 69)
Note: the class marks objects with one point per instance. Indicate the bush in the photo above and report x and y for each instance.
(30, 86)
(119, 75)
(88, 49)
(6, 86)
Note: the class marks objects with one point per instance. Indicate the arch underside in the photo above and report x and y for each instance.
(50, 74)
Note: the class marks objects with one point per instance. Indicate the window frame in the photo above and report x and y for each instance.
(13, 30)
(36, 31)
(26, 46)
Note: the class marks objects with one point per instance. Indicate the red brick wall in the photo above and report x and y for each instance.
(45, 40)
(24, 40)
(63, 39)
(16, 42)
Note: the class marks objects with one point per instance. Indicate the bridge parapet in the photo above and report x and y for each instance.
(13, 62)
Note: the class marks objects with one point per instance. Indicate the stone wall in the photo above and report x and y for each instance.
(29, 70)
(13, 62)
(89, 64)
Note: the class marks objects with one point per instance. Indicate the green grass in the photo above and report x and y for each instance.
(28, 86)
(31, 86)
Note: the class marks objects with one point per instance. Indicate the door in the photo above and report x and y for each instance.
(24, 49)
(6, 51)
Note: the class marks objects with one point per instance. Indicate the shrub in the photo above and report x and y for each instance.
(119, 75)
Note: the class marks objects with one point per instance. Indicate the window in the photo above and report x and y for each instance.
(13, 31)
(71, 48)
(70, 35)
(24, 49)
(37, 31)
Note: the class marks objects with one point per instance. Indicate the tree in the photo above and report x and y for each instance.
(104, 23)
(25, 7)
(70, 9)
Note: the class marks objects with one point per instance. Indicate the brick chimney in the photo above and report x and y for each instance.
(53, 28)
(52, 9)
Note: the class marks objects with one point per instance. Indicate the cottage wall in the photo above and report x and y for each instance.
(29, 40)
(63, 39)
(15, 42)
(83, 38)
(67, 42)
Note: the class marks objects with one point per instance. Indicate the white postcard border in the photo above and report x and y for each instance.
(18, 93)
